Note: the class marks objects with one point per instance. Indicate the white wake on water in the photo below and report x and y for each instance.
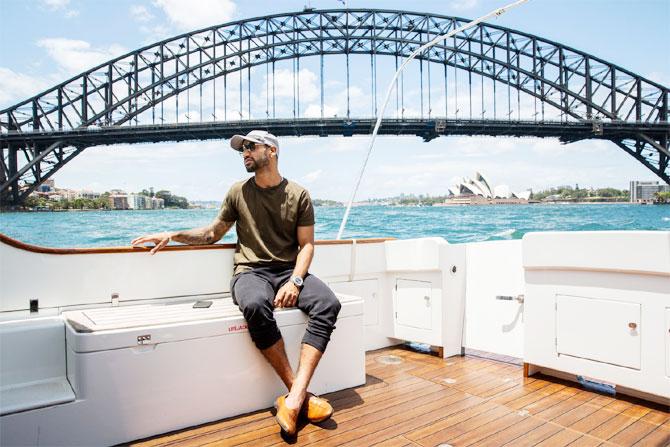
(506, 234)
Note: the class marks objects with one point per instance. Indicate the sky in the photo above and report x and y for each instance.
(66, 37)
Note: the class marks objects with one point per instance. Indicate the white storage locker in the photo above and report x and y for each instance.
(414, 303)
(602, 330)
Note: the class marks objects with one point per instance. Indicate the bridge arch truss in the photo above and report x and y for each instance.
(123, 99)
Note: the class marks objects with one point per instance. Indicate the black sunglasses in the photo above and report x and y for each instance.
(249, 145)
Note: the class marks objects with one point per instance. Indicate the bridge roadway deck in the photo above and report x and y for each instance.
(458, 401)
(425, 128)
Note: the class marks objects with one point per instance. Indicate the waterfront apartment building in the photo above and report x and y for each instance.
(140, 202)
(645, 191)
(118, 201)
(86, 194)
(157, 204)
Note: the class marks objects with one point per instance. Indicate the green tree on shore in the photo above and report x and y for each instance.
(662, 197)
(568, 193)
(172, 201)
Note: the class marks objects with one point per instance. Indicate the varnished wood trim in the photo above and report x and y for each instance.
(526, 368)
(107, 250)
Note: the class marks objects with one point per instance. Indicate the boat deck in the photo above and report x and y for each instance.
(415, 399)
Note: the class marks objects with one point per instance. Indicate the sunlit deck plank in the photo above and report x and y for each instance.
(427, 401)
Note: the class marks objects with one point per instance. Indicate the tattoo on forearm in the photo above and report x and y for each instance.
(204, 235)
(197, 236)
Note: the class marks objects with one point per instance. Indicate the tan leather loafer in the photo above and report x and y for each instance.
(286, 418)
(316, 409)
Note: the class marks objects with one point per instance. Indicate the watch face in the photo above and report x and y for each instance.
(297, 281)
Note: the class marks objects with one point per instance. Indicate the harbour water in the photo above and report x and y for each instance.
(455, 224)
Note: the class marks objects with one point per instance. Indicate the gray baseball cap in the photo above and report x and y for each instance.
(257, 136)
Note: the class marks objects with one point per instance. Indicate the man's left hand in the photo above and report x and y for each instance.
(287, 295)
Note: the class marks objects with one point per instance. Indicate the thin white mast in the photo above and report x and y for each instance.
(494, 13)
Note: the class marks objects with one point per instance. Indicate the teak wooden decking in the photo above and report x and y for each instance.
(458, 401)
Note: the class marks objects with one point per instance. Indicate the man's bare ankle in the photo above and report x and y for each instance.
(295, 399)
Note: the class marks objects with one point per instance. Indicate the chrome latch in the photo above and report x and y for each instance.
(143, 339)
(115, 299)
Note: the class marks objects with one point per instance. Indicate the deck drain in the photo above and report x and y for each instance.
(449, 380)
(389, 359)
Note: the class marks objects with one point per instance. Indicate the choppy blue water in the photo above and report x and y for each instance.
(456, 224)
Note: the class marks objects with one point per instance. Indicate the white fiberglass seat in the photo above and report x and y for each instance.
(32, 365)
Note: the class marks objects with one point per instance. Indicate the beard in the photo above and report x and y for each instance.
(257, 164)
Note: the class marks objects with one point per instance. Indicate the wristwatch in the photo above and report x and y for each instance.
(298, 281)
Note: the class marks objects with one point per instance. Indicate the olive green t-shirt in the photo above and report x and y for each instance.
(267, 221)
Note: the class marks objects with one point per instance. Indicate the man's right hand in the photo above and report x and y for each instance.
(159, 239)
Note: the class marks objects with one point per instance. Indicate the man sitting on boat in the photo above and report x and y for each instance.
(274, 220)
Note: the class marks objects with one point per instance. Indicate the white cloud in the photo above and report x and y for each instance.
(196, 14)
(75, 56)
(312, 176)
(283, 84)
(155, 33)
(140, 13)
(55, 4)
(60, 5)
(314, 111)
(462, 5)
(16, 86)
(331, 145)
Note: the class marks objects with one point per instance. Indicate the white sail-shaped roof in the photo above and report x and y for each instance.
(524, 195)
(486, 186)
(480, 186)
(464, 189)
(483, 187)
(475, 188)
(502, 192)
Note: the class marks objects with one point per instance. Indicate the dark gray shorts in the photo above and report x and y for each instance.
(254, 292)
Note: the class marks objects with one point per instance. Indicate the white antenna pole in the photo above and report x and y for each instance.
(495, 13)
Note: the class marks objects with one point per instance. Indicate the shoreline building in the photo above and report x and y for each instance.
(644, 191)
(118, 200)
(157, 203)
(142, 202)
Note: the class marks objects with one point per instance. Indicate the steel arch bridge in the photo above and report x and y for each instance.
(136, 97)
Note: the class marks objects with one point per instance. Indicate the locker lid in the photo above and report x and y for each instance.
(106, 328)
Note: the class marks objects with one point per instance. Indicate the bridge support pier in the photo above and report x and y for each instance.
(12, 170)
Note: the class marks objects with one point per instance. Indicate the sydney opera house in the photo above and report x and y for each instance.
(478, 191)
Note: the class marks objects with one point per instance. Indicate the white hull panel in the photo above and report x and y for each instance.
(129, 393)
